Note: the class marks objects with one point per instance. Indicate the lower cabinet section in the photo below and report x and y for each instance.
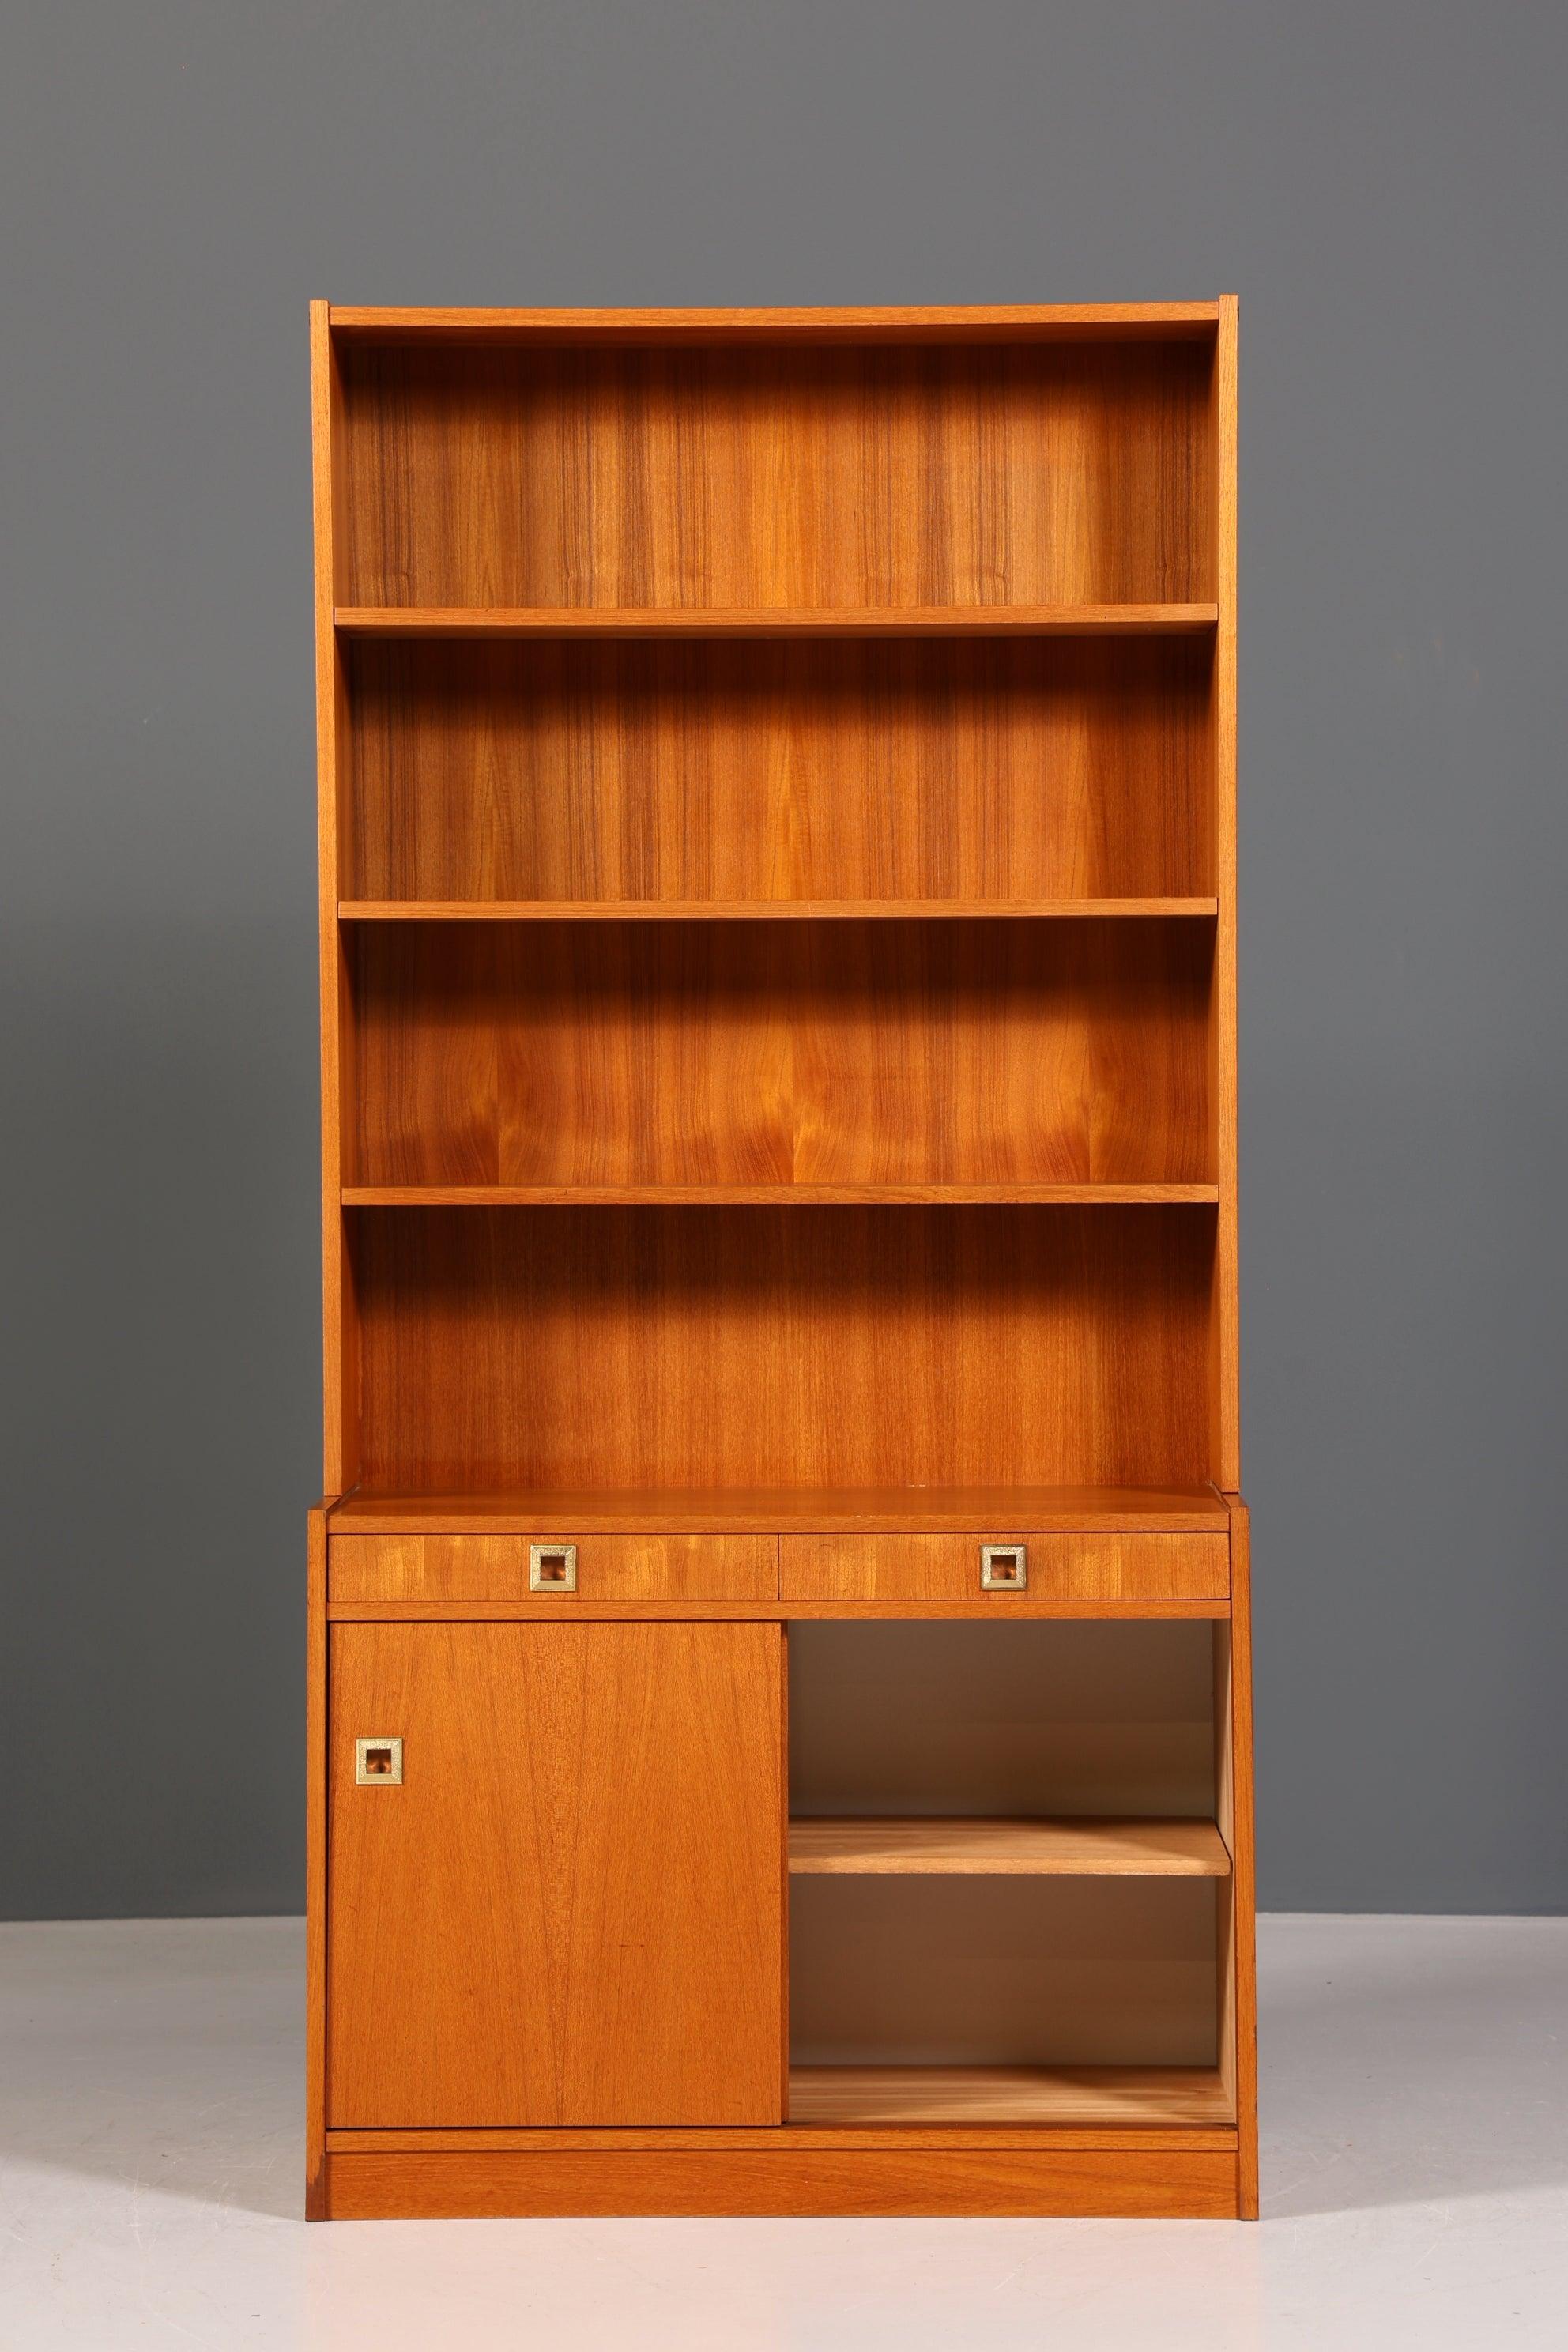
(555, 1868)
(597, 1937)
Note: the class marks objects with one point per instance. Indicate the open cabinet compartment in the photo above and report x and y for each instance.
(1080, 1967)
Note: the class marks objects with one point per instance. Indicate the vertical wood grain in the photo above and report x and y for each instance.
(831, 1052)
(569, 1912)
(821, 768)
(339, 1321)
(785, 1805)
(1227, 1370)
(784, 1347)
(1029, 473)
(316, 1864)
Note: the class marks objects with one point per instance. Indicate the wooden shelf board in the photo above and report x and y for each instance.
(1132, 2095)
(1000, 1511)
(1001, 1847)
(760, 910)
(772, 1196)
(775, 620)
(1031, 322)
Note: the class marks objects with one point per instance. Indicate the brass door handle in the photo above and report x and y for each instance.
(1004, 1567)
(378, 1763)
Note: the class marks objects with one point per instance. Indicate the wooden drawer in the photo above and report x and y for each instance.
(1059, 1568)
(498, 1567)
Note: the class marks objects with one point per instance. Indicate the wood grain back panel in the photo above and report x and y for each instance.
(939, 1971)
(569, 1912)
(1026, 1717)
(1025, 474)
(751, 1347)
(831, 1053)
(814, 769)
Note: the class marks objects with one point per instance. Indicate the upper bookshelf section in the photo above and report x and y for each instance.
(760, 483)
(820, 772)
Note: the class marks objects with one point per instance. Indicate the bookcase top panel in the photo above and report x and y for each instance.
(1065, 322)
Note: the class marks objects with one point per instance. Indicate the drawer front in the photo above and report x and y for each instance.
(1058, 1567)
(502, 1567)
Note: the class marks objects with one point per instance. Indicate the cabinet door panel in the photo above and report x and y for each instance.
(568, 1910)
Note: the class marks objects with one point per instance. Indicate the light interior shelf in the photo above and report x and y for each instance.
(1133, 2097)
(768, 910)
(789, 1510)
(775, 620)
(1003, 1846)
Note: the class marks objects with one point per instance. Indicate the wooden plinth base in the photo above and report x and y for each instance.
(1136, 2183)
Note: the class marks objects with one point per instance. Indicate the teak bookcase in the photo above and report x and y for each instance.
(779, 1716)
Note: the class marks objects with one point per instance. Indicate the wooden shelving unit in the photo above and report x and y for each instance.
(782, 1511)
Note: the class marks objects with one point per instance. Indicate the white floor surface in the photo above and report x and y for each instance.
(1415, 2184)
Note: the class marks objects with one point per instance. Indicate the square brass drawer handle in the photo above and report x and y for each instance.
(1004, 1567)
(553, 1567)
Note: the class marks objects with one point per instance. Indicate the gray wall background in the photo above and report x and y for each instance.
(1386, 186)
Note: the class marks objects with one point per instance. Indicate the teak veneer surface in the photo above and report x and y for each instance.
(773, 772)
(660, 1195)
(794, 478)
(1129, 2184)
(1004, 620)
(1096, 1566)
(495, 1567)
(1006, 1846)
(1095, 323)
(760, 1346)
(1001, 1510)
(775, 1055)
(755, 910)
(569, 1910)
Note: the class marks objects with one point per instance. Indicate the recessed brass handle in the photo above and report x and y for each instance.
(378, 1763)
(1004, 1567)
(553, 1567)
